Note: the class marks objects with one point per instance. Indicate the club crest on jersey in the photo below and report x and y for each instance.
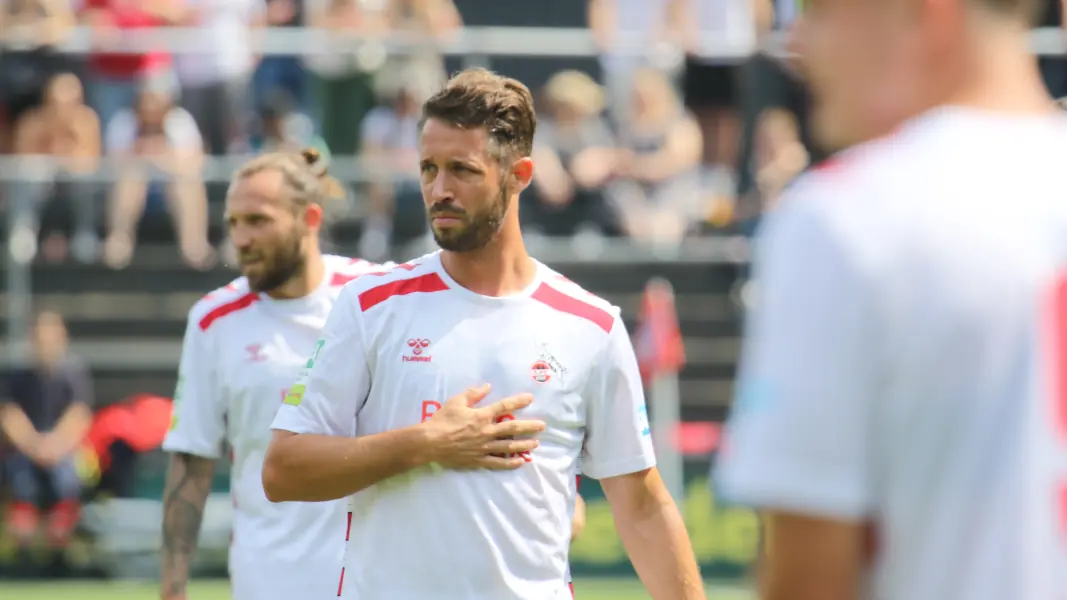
(546, 367)
(255, 353)
(417, 346)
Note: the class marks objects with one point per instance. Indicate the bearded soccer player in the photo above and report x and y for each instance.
(902, 398)
(244, 345)
(487, 518)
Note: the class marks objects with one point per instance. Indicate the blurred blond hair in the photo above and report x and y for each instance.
(576, 90)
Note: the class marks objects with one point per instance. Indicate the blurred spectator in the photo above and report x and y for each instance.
(710, 85)
(778, 158)
(1054, 68)
(29, 32)
(45, 414)
(65, 129)
(281, 127)
(575, 155)
(162, 145)
(342, 80)
(390, 151)
(630, 34)
(114, 77)
(215, 81)
(659, 162)
(767, 82)
(424, 24)
(277, 73)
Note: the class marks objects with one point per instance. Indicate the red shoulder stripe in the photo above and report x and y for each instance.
(571, 305)
(339, 279)
(229, 308)
(430, 282)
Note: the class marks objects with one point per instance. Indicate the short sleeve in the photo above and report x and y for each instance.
(120, 132)
(332, 387)
(181, 130)
(198, 423)
(597, 134)
(799, 437)
(618, 440)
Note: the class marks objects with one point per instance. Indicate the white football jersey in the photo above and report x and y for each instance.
(399, 344)
(242, 351)
(905, 355)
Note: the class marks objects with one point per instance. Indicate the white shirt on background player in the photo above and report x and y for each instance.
(396, 345)
(895, 370)
(242, 351)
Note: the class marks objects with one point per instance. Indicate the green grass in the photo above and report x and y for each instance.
(587, 589)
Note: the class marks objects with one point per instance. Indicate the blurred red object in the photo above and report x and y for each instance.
(658, 339)
(141, 422)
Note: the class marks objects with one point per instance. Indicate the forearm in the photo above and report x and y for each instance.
(185, 494)
(317, 468)
(16, 426)
(659, 547)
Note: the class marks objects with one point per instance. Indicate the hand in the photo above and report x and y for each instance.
(49, 451)
(578, 520)
(463, 437)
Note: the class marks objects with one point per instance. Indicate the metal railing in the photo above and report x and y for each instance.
(474, 44)
(469, 42)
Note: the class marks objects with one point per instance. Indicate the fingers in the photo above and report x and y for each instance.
(509, 405)
(516, 427)
(508, 447)
(503, 462)
(473, 395)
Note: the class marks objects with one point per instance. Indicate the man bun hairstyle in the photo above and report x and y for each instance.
(331, 186)
(305, 176)
(503, 106)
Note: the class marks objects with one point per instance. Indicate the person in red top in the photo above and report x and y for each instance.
(113, 78)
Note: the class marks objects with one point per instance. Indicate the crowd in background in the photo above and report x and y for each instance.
(668, 143)
(652, 147)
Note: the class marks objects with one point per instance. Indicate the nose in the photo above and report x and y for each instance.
(240, 236)
(438, 190)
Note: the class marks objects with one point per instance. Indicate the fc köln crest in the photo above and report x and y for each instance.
(546, 367)
(541, 371)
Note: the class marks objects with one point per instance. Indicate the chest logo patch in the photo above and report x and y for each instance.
(546, 367)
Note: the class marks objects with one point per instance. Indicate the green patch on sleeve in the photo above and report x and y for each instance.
(295, 395)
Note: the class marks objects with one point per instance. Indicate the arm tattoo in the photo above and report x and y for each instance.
(188, 485)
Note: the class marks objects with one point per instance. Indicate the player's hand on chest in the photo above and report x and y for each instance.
(436, 365)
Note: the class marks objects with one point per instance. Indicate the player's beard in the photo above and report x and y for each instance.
(285, 263)
(478, 228)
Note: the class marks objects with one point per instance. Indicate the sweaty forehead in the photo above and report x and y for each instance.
(442, 141)
(256, 193)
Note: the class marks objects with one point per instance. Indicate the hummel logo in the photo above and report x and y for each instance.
(417, 345)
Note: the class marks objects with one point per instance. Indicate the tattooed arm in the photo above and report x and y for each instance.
(188, 485)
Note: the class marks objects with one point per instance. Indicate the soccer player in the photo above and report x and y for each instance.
(244, 345)
(486, 517)
(906, 349)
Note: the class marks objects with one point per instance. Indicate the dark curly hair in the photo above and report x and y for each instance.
(480, 98)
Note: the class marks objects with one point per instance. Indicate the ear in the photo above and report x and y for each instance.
(313, 216)
(522, 172)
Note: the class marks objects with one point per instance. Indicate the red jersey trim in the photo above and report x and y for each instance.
(557, 300)
(423, 284)
(339, 279)
(226, 309)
